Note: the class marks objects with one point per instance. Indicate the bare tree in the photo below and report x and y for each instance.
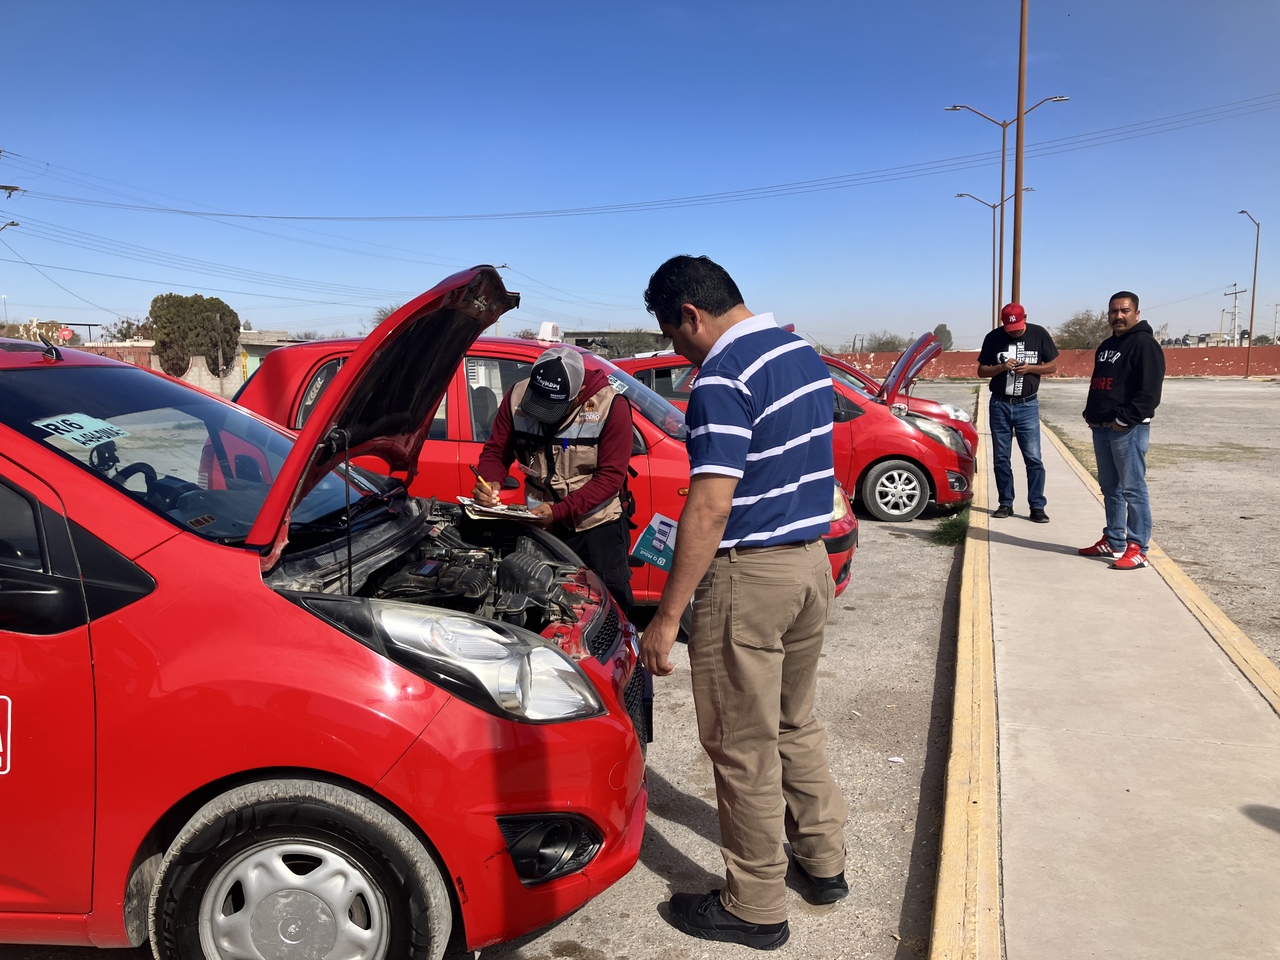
(885, 342)
(1084, 331)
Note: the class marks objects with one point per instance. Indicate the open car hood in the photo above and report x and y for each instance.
(382, 401)
(908, 367)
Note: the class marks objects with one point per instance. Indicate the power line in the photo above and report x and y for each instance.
(1133, 131)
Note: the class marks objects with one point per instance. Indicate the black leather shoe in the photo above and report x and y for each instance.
(1039, 516)
(823, 889)
(702, 915)
(1002, 511)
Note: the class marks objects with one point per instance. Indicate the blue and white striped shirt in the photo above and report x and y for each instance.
(760, 410)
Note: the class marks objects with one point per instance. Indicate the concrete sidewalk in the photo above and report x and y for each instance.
(1138, 771)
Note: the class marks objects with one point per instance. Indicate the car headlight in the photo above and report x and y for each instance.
(502, 669)
(840, 510)
(956, 413)
(945, 435)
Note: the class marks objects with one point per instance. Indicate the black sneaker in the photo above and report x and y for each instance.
(1039, 516)
(702, 915)
(1002, 511)
(823, 889)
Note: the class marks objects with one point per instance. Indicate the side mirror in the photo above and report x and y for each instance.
(845, 409)
(638, 447)
(510, 483)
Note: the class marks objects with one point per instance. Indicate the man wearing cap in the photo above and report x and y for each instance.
(569, 432)
(1015, 356)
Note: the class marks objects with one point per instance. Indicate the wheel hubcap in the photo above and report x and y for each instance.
(292, 900)
(898, 492)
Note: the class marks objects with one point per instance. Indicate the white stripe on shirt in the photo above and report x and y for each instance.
(721, 428)
(784, 489)
(793, 442)
(766, 357)
(793, 395)
(767, 534)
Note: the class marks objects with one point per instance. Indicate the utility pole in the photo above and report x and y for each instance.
(1234, 293)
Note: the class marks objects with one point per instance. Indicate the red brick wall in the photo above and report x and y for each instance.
(1179, 362)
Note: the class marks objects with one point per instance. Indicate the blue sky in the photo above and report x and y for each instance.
(465, 110)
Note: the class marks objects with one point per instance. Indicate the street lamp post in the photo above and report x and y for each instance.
(995, 283)
(1253, 293)
(1004, 166)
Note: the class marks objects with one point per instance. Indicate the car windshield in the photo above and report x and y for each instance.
(203, 465)
(848, 379)
(667, 418)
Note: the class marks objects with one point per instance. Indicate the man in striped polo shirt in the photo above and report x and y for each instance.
(749, 556)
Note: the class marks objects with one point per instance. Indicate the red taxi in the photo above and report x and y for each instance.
(258, 702)
(892, 451)
(292, 379)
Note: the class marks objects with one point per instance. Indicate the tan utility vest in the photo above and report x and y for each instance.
(557, 464)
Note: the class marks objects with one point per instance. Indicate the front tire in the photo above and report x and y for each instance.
(294, 869)
(895, 491)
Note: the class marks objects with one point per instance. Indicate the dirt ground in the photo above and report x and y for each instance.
(1213, 471)
(885, 694)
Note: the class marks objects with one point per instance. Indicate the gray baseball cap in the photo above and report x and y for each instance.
(554, 384)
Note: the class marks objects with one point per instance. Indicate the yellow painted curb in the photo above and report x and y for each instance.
(966, 908)
(1257, 668)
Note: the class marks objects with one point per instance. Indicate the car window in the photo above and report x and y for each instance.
(19, 541)
(672, 383)
(488, 380)
(315, 389)
(203, 465)
(655, 409)
(848, 379)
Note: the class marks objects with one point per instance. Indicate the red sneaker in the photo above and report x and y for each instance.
(1099, 549)
(1133, 559)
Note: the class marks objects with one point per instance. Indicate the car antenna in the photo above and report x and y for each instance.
(51, 352)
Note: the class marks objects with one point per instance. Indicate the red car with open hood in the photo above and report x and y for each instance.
(893, 452)
(258, 702)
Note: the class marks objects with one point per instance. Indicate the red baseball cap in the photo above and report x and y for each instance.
(1013, 317)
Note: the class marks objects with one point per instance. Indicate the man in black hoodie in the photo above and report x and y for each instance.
(1128, 372)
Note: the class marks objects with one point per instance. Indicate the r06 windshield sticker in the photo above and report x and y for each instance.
(81, 430)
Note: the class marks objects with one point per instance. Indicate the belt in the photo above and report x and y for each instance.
(740, 551)
(1003, 399)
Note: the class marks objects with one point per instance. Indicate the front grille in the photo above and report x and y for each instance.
(601, 642)
(638, 697)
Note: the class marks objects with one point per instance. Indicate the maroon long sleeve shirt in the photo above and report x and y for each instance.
(613, 456)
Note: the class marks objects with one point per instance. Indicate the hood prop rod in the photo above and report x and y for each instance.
(336, 434)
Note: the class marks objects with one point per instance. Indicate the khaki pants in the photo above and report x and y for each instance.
(758, 621)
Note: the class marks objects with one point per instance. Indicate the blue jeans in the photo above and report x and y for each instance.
(1022, 419)
(1122, 475)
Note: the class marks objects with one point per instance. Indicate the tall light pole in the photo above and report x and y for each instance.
(1253, 293)
(1004, 167)
(995, 287)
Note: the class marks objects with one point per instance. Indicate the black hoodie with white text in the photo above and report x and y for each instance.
(1128, 373)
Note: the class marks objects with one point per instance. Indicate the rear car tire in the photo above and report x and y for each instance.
(295, 869)
(895, 491)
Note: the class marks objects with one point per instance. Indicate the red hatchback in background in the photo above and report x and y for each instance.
(291, 380)
(255, 702)
(889, 456)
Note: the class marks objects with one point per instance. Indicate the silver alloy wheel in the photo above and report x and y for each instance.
(898, 492)
(293, 900)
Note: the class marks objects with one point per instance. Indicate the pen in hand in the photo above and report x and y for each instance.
(484, 484)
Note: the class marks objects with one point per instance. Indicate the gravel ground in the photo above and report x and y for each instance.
(884, 691)
(1213, 470)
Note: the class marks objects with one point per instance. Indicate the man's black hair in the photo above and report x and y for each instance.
(1123, 294)
(696, 280)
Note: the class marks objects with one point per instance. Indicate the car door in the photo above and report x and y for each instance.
(486, 379)
(46, 705)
